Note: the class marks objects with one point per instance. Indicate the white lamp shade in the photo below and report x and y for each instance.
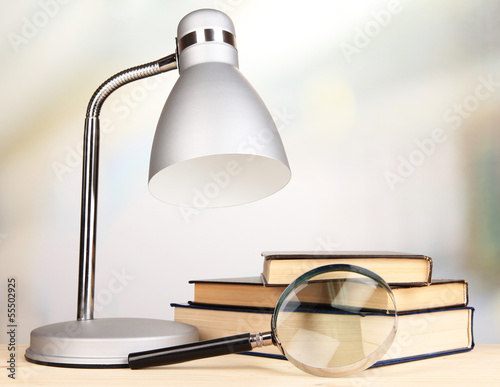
(216, 144)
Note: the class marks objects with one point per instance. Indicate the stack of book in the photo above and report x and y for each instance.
(434, 318)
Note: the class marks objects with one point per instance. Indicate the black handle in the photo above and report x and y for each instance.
(191, 351)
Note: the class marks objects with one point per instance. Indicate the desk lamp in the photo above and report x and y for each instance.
(215, 145)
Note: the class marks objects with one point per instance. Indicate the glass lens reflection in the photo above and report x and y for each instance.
(335, 321)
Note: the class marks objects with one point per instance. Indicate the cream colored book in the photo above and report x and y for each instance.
(420, 335)
(281, 268)
(254, 292)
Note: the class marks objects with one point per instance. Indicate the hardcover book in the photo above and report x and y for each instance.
(420, 335)
(281, 268)
(254, 292)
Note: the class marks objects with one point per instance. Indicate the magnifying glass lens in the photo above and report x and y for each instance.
(336, 320)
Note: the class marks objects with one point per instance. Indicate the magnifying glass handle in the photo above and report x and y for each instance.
(198, 350)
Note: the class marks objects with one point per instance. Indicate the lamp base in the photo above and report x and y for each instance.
(103, 343)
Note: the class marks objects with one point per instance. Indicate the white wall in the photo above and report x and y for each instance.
(354, 87)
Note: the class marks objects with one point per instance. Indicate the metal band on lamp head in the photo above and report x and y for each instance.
(206, 35)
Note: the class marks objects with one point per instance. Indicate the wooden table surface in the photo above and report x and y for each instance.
(480, 367)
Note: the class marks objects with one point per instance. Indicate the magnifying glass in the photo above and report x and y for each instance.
(331, 321)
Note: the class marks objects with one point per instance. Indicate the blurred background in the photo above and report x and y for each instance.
(388, 110)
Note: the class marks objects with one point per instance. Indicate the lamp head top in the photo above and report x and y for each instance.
(204, 36)
(202, 19)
